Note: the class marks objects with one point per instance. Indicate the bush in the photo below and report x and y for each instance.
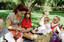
(2, 5)
(35, 8)
(56, 9)
(7, 5)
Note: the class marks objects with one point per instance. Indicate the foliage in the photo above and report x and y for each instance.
(41, 2)
(7, 5)
(35, 8)
(36, 15)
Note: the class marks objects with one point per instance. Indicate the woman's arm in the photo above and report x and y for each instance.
(20, 25)
(8, 24)
(40, 22)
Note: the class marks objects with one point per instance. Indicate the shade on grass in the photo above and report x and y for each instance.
(36, 15)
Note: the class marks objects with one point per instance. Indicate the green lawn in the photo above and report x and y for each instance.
(36, 15)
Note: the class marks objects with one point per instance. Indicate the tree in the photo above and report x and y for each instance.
(40, 2)
(32, 5)
(27, 3)
(22, 1)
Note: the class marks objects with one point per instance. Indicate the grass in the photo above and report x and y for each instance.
(36, 15)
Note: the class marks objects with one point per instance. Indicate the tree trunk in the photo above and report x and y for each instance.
(28, 3)
(32, 5)
(40, 7)
(22, 1)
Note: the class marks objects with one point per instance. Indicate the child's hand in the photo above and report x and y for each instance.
(33, 31)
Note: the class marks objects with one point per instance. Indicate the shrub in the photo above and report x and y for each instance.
(7, 5)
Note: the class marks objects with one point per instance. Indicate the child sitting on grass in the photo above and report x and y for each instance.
(45, 14)
(4, 33)
(45, 34)
(41, 23)
(55, 28)
(61, 34)
(46, 27)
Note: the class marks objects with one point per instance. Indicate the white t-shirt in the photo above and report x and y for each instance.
(5, 34)
(61, 35)
(45, 28)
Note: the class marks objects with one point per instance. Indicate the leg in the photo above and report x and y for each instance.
(20, 39)
(30, 36)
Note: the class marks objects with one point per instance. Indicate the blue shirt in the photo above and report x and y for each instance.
(5, 34)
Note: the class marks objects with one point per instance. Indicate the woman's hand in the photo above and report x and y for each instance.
(33, 31)
(21, 29)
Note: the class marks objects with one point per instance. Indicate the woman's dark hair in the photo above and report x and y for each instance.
(20, 7)
(26, 17)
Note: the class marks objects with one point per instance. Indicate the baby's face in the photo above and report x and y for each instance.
(45, 22)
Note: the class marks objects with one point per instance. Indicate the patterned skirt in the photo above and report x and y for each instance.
(54, 37)
(15, 34)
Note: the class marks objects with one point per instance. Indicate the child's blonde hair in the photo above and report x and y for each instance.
(45, 12)
(56, 18)
(46, 19)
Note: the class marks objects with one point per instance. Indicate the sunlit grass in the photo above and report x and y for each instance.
(35, 16)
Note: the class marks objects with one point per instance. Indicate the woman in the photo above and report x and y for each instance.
(13, 20)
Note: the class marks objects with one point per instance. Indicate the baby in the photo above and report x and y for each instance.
(46, 27)
(45, 14)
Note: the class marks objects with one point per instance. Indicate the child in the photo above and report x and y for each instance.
(54, 24)
(26, 24)
(55, 28)
(41, 23)
(47, 31)
(4, 33)
(45, 14)
(61, 34)
(46, 27)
